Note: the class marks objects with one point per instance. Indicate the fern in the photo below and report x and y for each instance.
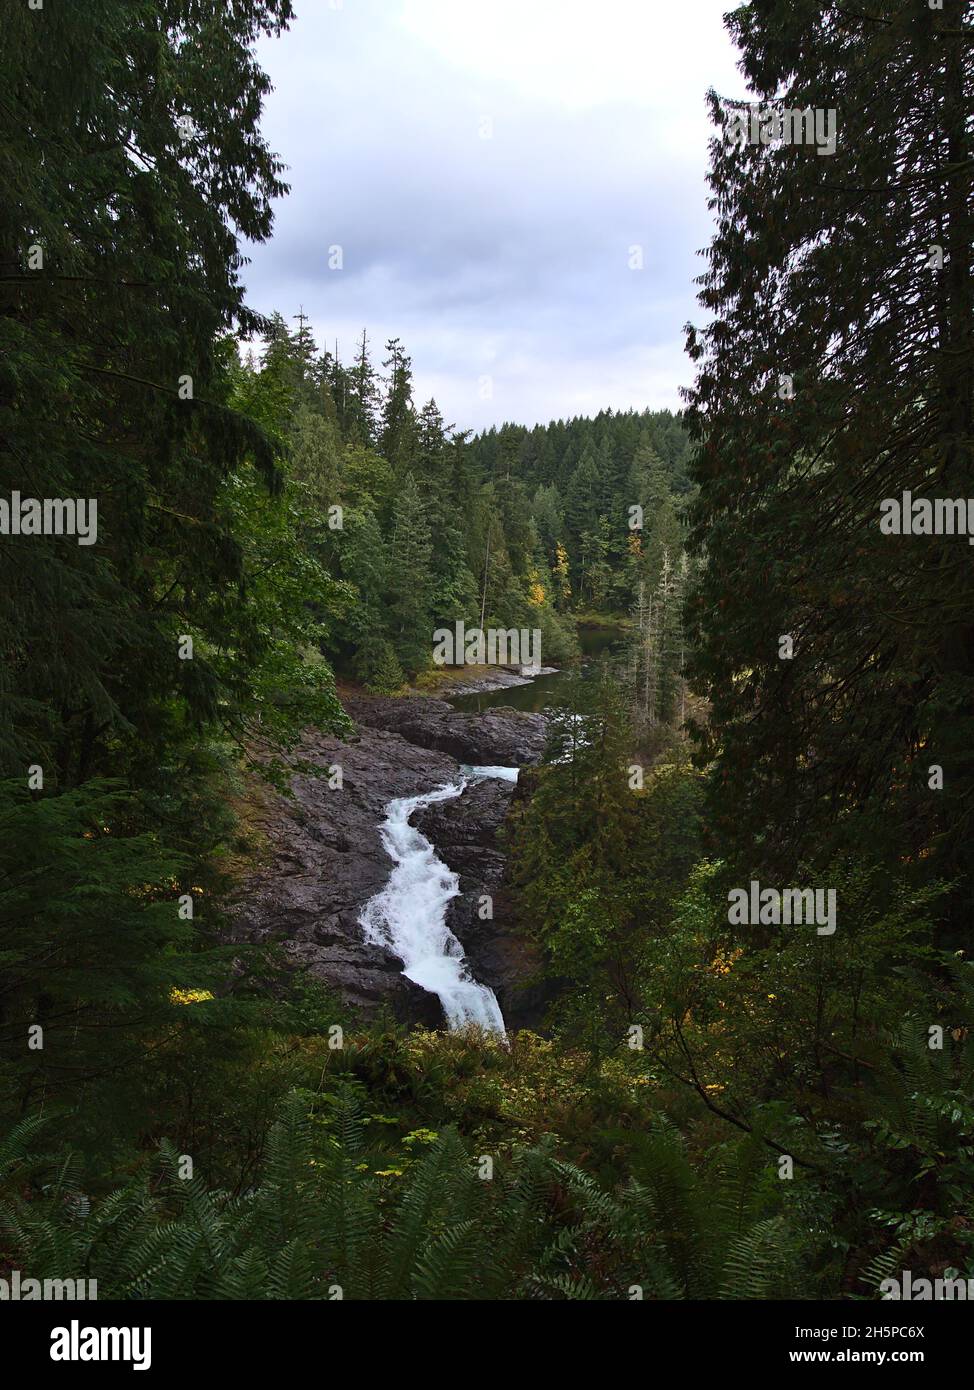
(543, 1228)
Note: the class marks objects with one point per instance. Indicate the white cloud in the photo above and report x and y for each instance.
(505, 255)
(577, 54)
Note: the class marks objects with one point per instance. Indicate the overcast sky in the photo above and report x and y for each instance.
(487, 167)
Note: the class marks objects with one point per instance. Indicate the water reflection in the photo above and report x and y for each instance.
(595, 642)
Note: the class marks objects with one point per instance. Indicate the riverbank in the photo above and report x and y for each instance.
(451, 681)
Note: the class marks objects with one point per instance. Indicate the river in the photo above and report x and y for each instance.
(538, 694)
(409, 914)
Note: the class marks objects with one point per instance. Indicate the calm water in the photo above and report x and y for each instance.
(595, 642)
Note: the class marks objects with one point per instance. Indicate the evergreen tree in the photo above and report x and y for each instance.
(305, 354)
(398, 434)
(114, 384)
(838, 371)
(410, 599)
(582, 499)
(548, 514)
(93, 940)
(362, 398)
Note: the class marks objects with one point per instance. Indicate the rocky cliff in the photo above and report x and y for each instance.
(325, 857)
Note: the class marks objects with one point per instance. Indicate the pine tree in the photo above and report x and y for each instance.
(362, 398)
(837, 371)
(548, 514)
(410, 602)
(115, 379)
(398, 434)
(305, 352)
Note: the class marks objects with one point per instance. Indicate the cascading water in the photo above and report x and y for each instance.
(409, 916)
(504, 774)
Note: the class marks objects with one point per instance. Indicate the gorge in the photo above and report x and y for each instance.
(377, 888)
(409, 916)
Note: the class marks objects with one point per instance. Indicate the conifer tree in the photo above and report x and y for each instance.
(398, 434)
(119, 273)
(410, 603)
(838, 371)
(362, 400)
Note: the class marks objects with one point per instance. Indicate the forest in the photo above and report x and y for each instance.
(697, 1104)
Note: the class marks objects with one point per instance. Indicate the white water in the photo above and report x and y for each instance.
(409, 916)
(506, 774)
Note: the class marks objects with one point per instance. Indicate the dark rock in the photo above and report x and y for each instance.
(499, 737)
(327, 859)
(464, 833)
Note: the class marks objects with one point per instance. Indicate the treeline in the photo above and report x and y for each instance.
(427, 526)
(398, 512)
(583, 479)
(609, 497)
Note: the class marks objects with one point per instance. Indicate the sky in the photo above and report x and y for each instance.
(483, 179)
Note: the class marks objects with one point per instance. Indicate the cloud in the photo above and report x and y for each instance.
(487, 171)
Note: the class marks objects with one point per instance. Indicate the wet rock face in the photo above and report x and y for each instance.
(464, 833)
(327, 860)
(497, 738)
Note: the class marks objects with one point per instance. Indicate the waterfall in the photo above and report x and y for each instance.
(505, 774)
(409, 916)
